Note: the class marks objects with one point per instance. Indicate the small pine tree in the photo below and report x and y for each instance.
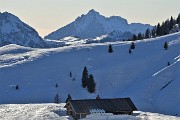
(132, 45)
(110, 50)
(98, 97)
(158, 30)
(56, 98)
(153, 32)
(178, 20)
(171, 23)
(166, 45)
(17, 87)
(130, 51)
(91, 84)
(139, 36)
(56, 85)
(68, 98)
(70, 74)
(147, 34)
(134, 37)
(85, 77)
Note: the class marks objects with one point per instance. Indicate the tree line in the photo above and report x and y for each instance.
(166, 27)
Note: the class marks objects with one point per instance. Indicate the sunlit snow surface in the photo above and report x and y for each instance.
(144, 75)
(58, 112)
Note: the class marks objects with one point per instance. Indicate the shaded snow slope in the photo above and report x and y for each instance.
(57, 112)
(93, 24)
(143, 75)
(14, 31)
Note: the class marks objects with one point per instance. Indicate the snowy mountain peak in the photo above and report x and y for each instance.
(14, 31)
(93, 12)
(5, 14)
(93, 24)
(90, 16)
(10, 23)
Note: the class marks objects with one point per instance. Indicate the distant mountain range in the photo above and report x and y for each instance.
(89, 28)
(14, 31)
(92, 25)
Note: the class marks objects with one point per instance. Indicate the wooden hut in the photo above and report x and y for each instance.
(80, 108)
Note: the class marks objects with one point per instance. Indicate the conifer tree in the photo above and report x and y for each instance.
(91, 84)
(70, 74)
(85, 77)
(171, 23)
(158, 30)
(17, 87)
(166, 45)
(98, 97)
(56, 85)
(130, 51)
(132, 45)
(178, 20)
(110, 50)
(147, 34)
(134, 37)
(139, 36)
(68, 98)
(162, 29)
(166, 28)
(153, 32)
(56, 98)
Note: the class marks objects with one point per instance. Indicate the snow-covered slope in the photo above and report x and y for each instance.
(57, 112)
(111, 37)
(14, 31)
(93, 24)
(143, 75)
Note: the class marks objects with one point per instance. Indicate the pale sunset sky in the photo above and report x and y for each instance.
(49, 15)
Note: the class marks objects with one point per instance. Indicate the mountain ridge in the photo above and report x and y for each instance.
(15, 31)
(93, 24)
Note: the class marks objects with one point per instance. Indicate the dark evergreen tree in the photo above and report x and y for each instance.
(56, 85)
(139, 37)
(168, 63)
(166, 28)
(91, 87)
(17, 87)
(134, 37)
(147, 34)
(158, 30)
(166, 45)
(171, 24)
(68, 98)
(162, 29)
(56, 98)
(178, 20)
(85, 77)
(132, 45)
(70, 74)
(98, 97)
(153, 32)
(110, 50)
(130, 51)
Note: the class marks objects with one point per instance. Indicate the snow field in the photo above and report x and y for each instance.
(140, 75)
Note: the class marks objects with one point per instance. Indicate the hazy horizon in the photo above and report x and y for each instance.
(49, 15)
